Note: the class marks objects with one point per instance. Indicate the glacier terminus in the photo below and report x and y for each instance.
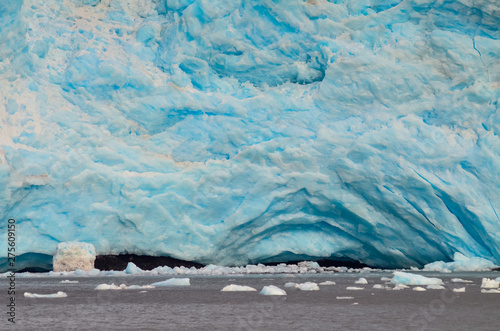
(245, 131)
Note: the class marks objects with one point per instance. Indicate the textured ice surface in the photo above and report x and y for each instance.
(406, 278)
(71, 256)
(234, 132)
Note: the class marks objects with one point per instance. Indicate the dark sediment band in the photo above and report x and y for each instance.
(119, 262)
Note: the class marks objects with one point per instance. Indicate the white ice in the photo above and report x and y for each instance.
(272, 290)
(490, 283)
(237, 288)
(413, 279)
(419, 289)
(71, 256)
(47, 296)
(459, 290)
(460, 280)
(173, 282)
(361, 281)
(308, 286)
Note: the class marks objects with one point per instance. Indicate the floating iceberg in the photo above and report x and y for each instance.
(71, 256)
(237, 288)
(308, 286)
(173, 282)
(237, 132)
(45, 296)
(460, 280)
(102, 287)
(132, 269)
(419, 289)
(459, 290)
(490, 283)
(361, 281)
(461, 263)
(406, 278)
(272, 290)
(354, 288)
(328, 282)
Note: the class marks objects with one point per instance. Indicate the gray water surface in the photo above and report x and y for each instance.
(202, 306)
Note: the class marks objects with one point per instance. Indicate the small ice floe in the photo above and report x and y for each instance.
(361, 281)
(460, 280)
(435, 287)
(354, 304)
(345, 298)
(292, 285)
(490, 291)
(139, 287)
(419, 289)
(354, 288)
(237, 288)
(412, 279)
(272, 290)
(385, 279)
(67, 281)
(459, 290)
(490, 283)
(173, 282)
(45, 296)
(399, 287)
(103, 287)
(308, 286)
(328, 282)
(381, 287)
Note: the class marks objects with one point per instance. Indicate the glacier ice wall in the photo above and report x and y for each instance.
(236, 131)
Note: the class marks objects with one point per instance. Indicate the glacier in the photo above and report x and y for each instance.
(245, 131)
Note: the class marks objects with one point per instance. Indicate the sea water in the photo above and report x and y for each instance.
(202, 305)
